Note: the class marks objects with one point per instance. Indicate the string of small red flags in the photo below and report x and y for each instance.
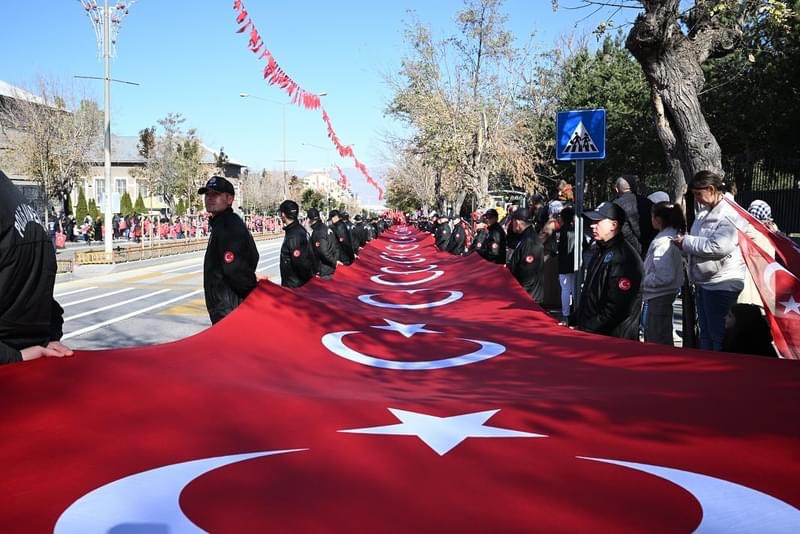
(343, 182)
(275, 75)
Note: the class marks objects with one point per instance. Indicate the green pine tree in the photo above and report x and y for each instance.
(93, 211)
(139, 206)
(180, 209)
(125, 204)
(82, 208)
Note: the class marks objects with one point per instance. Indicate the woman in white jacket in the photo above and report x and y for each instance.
(716, 265)
(663, 273)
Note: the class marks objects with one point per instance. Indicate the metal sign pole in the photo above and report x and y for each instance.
(579, 187)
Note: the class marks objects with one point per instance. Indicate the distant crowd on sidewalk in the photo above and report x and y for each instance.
(136, 227)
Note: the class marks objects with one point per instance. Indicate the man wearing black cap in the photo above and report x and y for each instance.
(342, 234)
(297, 258)
(229, 268)
(324, 245)
(527, 259)
(611, 299)
(493, 247)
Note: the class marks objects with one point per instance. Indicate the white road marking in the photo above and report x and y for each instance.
(95, 297)
(115, 305)
(129, 315)
(76, 291)
(268, 266)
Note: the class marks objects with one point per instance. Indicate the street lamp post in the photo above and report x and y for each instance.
(284, 160)
(106, 29)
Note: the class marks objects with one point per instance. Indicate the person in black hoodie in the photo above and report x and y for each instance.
(297, 258)
(358, 233)
(527, 259)
(229, 267)
(611, 298)
(324, 244)
(30, 319)
(339, 227)
(442, 233)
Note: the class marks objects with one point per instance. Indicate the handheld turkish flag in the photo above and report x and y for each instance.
(416, 392)
(780, 292)
(786, 249)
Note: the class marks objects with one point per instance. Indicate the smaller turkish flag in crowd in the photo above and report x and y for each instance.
(785, 249)
(780, 292)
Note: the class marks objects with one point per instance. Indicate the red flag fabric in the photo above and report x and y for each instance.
(786, 249)
(780, 292)
(415, 392)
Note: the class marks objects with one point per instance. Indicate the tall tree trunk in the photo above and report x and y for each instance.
(668, 142)
(671, 63)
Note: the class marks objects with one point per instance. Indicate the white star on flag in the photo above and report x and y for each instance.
(791, 305)
(407, 330)
(442, 434)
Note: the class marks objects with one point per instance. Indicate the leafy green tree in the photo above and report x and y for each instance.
(180, 209)
(82, 208)
(311, 198)
(139, 205)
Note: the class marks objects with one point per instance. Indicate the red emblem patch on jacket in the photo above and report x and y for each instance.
(229, 256)
(316, 244)
(495, 246)
(296, 253)
(624, 284)
(529, 259)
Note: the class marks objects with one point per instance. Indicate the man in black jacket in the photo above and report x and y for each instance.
(527, 259)
(611, 298)
(30, 318)
(358, 234)
(324, 244)
(229, 268)
(637, 228)
(339, 227)
(297, 258)
(442, 232)
(493, 247)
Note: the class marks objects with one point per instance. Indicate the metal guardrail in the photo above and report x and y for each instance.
(150, 250)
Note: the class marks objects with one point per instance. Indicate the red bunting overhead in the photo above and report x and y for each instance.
(343, 182)
(275, 75)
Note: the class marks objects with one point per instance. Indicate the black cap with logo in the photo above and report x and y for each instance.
(219, 184)
(312, 214)
(606, 210)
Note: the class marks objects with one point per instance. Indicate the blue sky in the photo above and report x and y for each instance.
(188, 59)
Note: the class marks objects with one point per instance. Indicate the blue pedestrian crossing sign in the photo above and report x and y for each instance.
(581, 134)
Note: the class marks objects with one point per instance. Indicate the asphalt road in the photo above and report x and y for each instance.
(142, 304)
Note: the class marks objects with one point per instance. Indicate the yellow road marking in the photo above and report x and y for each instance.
(192, 307)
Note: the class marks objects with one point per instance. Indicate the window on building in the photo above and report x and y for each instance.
(99, 187)
(122, 185)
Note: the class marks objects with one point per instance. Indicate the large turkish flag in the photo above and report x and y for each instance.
(416, 391)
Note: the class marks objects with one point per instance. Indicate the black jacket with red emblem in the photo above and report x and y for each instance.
(326, 248)
(297, 258)
(527, 262)
(611, 299)
(493, 246)
(229, 268)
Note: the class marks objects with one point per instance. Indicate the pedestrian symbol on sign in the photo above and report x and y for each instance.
(580, 141)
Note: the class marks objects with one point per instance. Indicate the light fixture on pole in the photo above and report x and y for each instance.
(106, 26)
